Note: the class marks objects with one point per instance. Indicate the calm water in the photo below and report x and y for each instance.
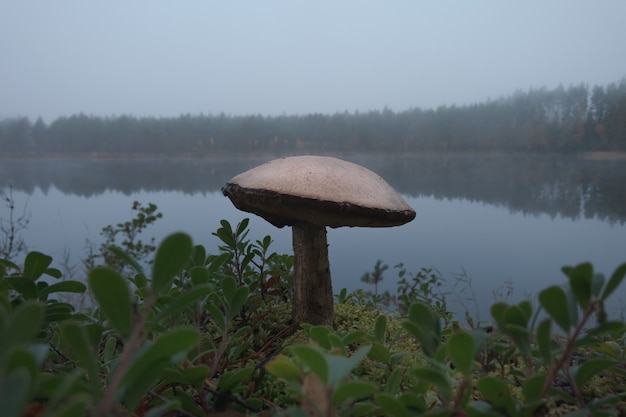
(506, 222)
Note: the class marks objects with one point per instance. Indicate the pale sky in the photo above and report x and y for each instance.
(164, 58)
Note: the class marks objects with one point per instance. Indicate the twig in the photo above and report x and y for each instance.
(130, 348)
(569, 346)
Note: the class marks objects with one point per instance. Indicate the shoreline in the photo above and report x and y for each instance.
(591, 155)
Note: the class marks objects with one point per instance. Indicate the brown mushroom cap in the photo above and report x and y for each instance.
(319, 190)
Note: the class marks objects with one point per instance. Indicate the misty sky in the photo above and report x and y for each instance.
(163, 58)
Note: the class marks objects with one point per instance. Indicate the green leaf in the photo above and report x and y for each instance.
(497, 312)
(8, 264)
(394, 379)
(380, 328)
(572, 303)
(131, 391)
(313, 359)
(15, 392)
(518, 315)
(61, 387)
(320, 335)
(353, 390)
(24, 286)
(110, 347)
(35, 264)
(198, 255)
(23, 359)
(64, 286)
(618, 327)
(527, 309)
(435, 377)
(171, 257)
(229, 287)
(521, 338)
(53, 272)
(544, 341)
(608, 402)
(533, 387)
(554, 300)
(462, 351)
(140, 281)
(225, 234)
(199, 275)
(230, 379)
(391, 406)
(56, 311)
(239, 299)
(218, 316)
(380, 353)
(24, 323)
(580, 278)
(163, 348)
(423, 324)
(357, 336)
(241, 227)
(195, 375)
(496, 391)
(77, 339)
(4, 287)
(76, 406)
(183, 301)
(283, 367)
(360, 409)
(480, 338)
(340, 367)
(417, 405)
(597, 284)
(112, 294)
(591, 367)
(616, 279)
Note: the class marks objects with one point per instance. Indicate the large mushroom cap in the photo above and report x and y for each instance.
(319, 190)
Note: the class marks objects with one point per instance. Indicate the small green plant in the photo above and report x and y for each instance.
(171, 339)
(202, 334)
(29, 311)
(376, 275)
(11, 242)
(427, 286)
(523, 368)
(126, 237)
(268, 275)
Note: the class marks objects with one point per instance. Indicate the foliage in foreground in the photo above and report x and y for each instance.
(209, 334)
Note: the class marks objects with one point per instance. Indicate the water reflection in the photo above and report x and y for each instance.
(571, 187)
(502, 220)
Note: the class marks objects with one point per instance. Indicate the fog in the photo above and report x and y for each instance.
(163, 58)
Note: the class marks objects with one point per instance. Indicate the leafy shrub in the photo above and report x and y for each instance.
(126, 236)
(203, 334)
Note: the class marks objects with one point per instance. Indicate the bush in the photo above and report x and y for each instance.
(204, 334)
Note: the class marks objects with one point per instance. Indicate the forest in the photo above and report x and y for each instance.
(577, 118)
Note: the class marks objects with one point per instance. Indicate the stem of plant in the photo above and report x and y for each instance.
(569, 346)
(134, 343)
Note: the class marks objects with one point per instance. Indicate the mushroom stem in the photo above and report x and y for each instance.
(312, 287)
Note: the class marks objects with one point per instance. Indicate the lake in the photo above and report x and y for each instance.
(508, 223)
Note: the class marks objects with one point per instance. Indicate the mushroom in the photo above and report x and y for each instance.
(309, 193)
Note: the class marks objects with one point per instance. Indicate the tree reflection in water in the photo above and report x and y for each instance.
(569, 186)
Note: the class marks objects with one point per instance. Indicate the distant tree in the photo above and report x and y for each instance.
(561, 119)
(16, 136)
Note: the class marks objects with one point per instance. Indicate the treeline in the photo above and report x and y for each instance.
(572, 187)
(573, 119)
